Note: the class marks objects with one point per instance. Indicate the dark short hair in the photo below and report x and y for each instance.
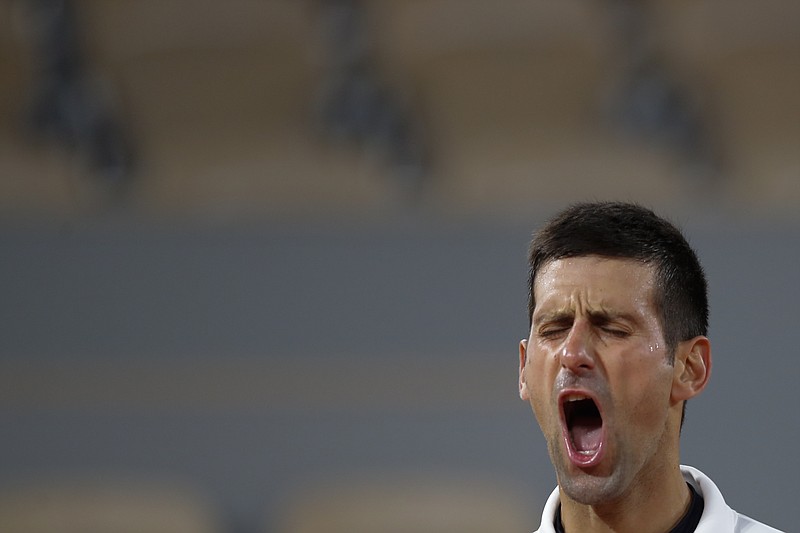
(629, 231)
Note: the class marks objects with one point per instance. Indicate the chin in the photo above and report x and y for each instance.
(595, 486)
(588, 490)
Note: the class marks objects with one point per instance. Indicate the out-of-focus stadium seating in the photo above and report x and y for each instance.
(104, 506)
(401, 504)
(219, 99)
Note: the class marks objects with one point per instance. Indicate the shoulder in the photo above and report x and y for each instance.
(745, 524)
(717, 515)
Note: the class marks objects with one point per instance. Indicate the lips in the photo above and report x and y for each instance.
(582, 427)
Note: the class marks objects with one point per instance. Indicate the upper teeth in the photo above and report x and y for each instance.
(575, 397)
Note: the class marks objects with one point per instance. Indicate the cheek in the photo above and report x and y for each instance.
(648, 399)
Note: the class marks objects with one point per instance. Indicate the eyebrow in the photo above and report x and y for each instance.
(596, 317)
(563, 315)
(606, 316)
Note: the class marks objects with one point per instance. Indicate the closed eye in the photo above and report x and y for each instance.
(554, 325)
(549, 333)
(615, 332)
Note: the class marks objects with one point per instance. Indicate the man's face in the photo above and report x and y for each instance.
(596, 373)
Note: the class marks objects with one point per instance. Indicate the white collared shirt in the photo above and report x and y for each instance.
(717, 516)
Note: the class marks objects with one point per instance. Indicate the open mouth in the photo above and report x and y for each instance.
(583, 428)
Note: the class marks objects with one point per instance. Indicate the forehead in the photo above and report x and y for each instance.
(595, 281)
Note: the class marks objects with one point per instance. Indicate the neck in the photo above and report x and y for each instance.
(654, 506)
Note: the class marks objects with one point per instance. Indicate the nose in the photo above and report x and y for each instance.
(577, 354)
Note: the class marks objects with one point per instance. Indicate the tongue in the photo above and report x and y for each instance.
(586, 433)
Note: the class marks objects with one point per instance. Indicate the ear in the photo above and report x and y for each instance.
(523, 358)
(692, 368)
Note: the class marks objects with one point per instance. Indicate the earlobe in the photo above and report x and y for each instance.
(523, 358)
(692, 368)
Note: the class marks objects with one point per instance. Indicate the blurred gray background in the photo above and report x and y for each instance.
(265, 260)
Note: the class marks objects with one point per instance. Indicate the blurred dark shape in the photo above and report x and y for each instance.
(649, 102)
(658, 109)
(355, 106)
(68, 104)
